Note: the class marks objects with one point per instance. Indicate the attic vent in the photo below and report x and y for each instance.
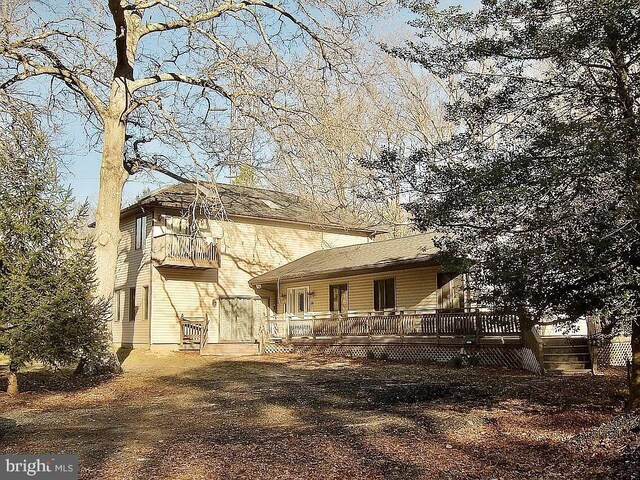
(271, 204)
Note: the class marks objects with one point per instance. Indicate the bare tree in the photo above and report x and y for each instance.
(150, 77)
(386, 105)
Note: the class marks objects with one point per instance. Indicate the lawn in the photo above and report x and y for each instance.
(182, 416)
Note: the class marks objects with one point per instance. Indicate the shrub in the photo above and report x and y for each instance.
(456, 362)
(473, 361)
(384, 356)
(370, 355)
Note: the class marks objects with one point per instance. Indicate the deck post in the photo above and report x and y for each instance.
(181, 320)
(313, 326)
(478, 326)
(287, 320)
(437, 326)
(400, 322)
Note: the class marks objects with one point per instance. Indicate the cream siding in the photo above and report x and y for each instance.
(133, 270)
(247, 247)
(415, 288)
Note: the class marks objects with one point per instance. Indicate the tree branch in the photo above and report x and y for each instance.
(180, 78)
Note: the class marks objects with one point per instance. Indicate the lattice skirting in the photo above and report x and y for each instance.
(511, 357)
(614, 354)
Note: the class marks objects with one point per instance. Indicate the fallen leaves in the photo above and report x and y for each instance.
(180, 416)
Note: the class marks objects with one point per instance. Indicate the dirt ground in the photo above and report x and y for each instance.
(182, 416)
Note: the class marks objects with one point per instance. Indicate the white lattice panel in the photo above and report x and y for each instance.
(511, 357)
(277, 348)
(614, 354)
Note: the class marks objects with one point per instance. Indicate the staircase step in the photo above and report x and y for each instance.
(231, 349)
(586, 371)
(569, 357)
(567, 365)
(564, 341)
(577, 349)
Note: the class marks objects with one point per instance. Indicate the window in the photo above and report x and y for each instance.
(140, 232)
(132, 304)
(117, 310)
(384, 294)
(338, 298)
(450, 290)
(145, 304)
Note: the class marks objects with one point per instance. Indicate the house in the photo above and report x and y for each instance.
(388, 297)
(181, 269)
(251, 270)
(393, 298)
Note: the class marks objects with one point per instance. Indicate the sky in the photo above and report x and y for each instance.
(82, 163)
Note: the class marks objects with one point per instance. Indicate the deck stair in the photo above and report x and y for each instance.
(566, 355)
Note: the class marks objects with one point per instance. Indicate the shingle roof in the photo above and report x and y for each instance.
(397, 251)
(255, 203)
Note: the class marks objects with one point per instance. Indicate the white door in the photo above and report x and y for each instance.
(240, 319)
(297, 301)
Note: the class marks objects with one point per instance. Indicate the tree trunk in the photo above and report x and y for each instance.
(634, 381)
(12, 380)
(112, 178)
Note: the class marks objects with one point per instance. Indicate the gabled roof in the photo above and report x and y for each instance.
(366, 256)
(253, 202)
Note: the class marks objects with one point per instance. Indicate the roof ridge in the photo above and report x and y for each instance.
(374, 241)
(257, 188)
(170, 185)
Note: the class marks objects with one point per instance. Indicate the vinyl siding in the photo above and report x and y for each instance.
(247, 247)
(415, 288)
(133, 270)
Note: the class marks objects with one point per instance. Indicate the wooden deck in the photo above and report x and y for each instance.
(463, 327)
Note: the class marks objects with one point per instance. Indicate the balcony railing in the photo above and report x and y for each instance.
(177, 250)
(417, 323)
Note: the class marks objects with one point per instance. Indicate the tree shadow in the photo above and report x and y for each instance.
(43, 380)
(123, 353)
(308, 418)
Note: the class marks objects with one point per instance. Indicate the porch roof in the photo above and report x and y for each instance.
(415, 249)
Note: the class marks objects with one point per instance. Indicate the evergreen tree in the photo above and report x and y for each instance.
(538, 189)
(47, 310)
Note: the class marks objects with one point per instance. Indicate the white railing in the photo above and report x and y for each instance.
(433, 322)
(188, 248)
(194, 331)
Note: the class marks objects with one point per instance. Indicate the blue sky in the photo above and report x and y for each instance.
(83, 163)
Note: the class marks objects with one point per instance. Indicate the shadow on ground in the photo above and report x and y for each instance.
(283, 417)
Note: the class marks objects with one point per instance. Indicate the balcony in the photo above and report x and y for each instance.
(185, 251)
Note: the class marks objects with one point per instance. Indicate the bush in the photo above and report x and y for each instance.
(456, 362)
(384, 356)
(370, 355)
(473, 361)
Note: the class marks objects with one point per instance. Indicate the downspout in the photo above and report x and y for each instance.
(149, 307)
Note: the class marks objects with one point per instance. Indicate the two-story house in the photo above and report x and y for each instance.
(167, 272)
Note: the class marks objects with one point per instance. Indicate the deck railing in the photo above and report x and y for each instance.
(194, 332)
(429, 323)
